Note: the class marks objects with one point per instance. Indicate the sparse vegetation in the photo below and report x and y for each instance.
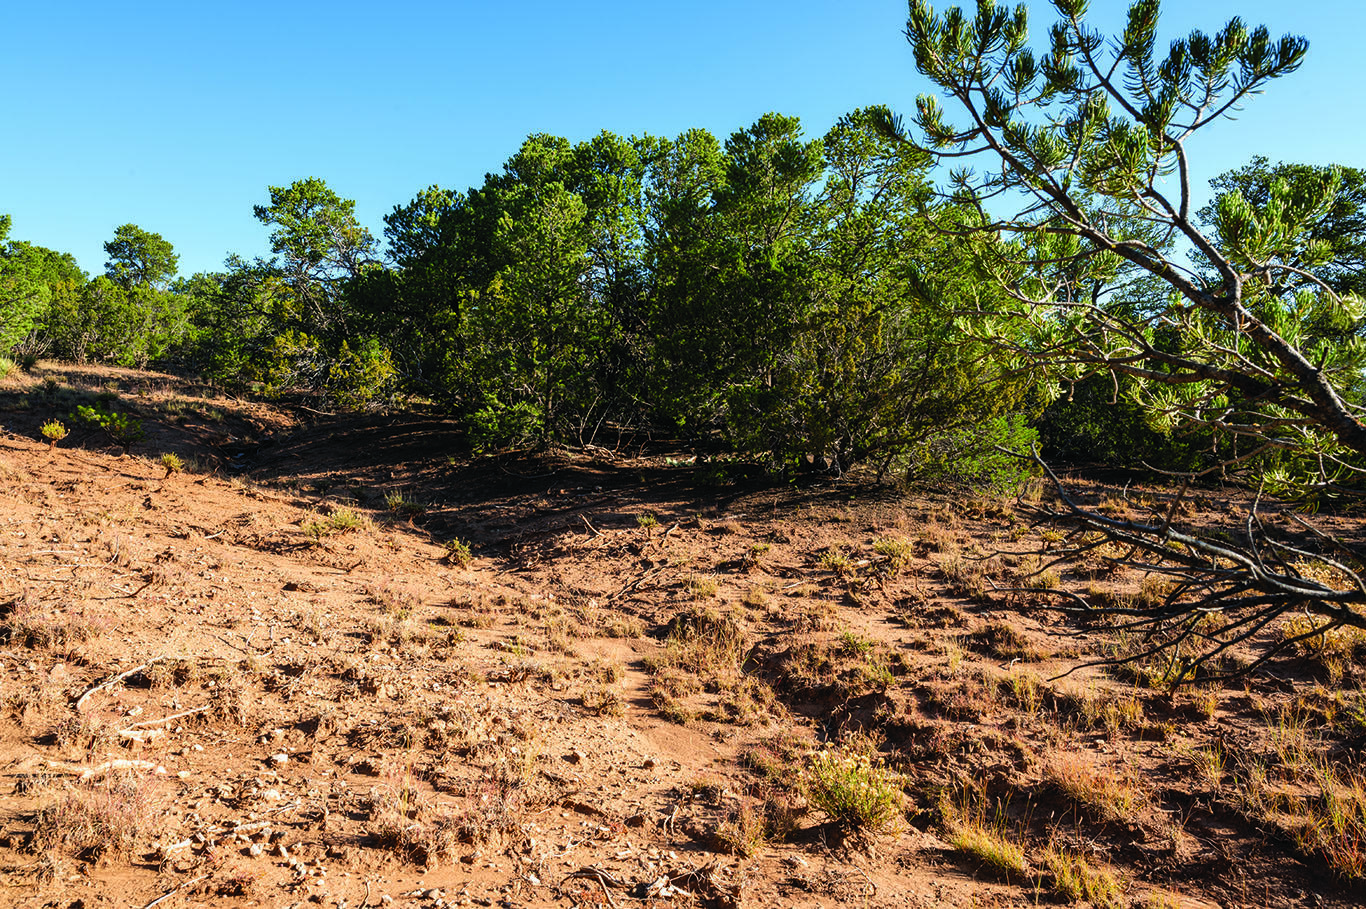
(101, 819)
(54, 431)
(172, 463)
(854, 790)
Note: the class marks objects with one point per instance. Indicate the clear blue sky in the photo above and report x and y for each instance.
(176, 116)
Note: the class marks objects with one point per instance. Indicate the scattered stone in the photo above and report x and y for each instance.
(280, 758)
(574, 757)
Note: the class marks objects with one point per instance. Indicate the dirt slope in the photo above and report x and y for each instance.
(266, 680)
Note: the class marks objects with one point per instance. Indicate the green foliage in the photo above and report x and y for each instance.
(1251, 344)
(984, 456)
(122, 428)
(778, 293)
(54, 431)
(854, 790)
(24, 291)
(458, 553)
(361, 377)
(140, 258)
(1098, 422)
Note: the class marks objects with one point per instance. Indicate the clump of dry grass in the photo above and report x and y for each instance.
(27, 623)
(742, 832)
(404, 823)
(96, 820)
(603, 700)
(984, 841)
(1112, 796)
(1075, 879)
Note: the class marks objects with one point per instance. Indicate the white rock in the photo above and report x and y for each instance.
(280, 758)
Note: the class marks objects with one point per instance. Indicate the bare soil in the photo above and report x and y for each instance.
(265, 680)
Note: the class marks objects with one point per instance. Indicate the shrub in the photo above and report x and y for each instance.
(458, 553)
(172, 463)
(122, 428)
(54, 431)
(856, 791)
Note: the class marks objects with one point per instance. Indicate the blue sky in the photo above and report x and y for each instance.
(177, 116)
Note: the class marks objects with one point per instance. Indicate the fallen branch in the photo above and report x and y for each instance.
(176, 889)
(89, 773)
(167, 719)
(80, 702)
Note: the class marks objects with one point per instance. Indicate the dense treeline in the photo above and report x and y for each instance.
(783, 297)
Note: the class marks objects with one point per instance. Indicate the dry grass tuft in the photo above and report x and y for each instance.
(97, 820)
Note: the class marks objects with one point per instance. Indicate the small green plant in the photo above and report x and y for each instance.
(835, 561)
(458, 553)
(54, 431)
(854, 789)
(700, 588)
(646, 521)
(172, 463)
(400, 503)
(343, 520)
(1075, 879)
(896, 551)
(122, 428)
(985, 843)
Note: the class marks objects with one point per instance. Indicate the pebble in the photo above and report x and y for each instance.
(280, 758)
(255, 850)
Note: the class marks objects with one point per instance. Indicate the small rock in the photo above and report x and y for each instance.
(255, 850)
(271, 795)
(649, 764)
(280, 758)
(183, 774)
(385, 899)
(432, 894)
(574, 757)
